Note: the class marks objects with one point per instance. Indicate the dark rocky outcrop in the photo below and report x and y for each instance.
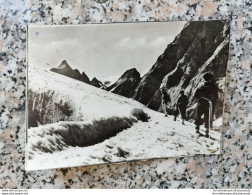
(66, 70)
(95, 82)
(165, 63)
(84, 78)
(200, 47)
(126, 84)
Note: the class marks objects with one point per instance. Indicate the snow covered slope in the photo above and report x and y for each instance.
(48, 146)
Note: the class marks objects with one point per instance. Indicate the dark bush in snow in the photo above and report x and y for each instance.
(140, 114)
(93, 133)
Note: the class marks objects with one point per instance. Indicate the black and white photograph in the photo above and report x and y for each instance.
(112, 93)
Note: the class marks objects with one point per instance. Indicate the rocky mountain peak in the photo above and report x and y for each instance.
(84, 77)
(94, 79)
(64, 65)
(126, 84)
(132, 71)
(66, 70)
(95, 82)
(130, 74)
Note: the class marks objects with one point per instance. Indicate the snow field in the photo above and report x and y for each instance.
(159, 137)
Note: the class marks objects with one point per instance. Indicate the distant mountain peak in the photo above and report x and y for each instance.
(130, 73)
(95, 82)
(94, 79)
(66, 70)
(83, 73)
(127, 83)
(132, 70)
(64, 64)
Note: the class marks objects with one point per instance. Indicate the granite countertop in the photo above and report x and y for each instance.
(230, 170)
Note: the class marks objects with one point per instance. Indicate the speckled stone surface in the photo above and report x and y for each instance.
(231, 170)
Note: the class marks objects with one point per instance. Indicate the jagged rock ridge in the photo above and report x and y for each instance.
(200, 47)
(66, 70)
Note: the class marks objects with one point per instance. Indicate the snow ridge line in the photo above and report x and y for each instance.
(61, 135)
(85, 134)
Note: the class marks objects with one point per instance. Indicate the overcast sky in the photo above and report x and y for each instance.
(101, 50)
